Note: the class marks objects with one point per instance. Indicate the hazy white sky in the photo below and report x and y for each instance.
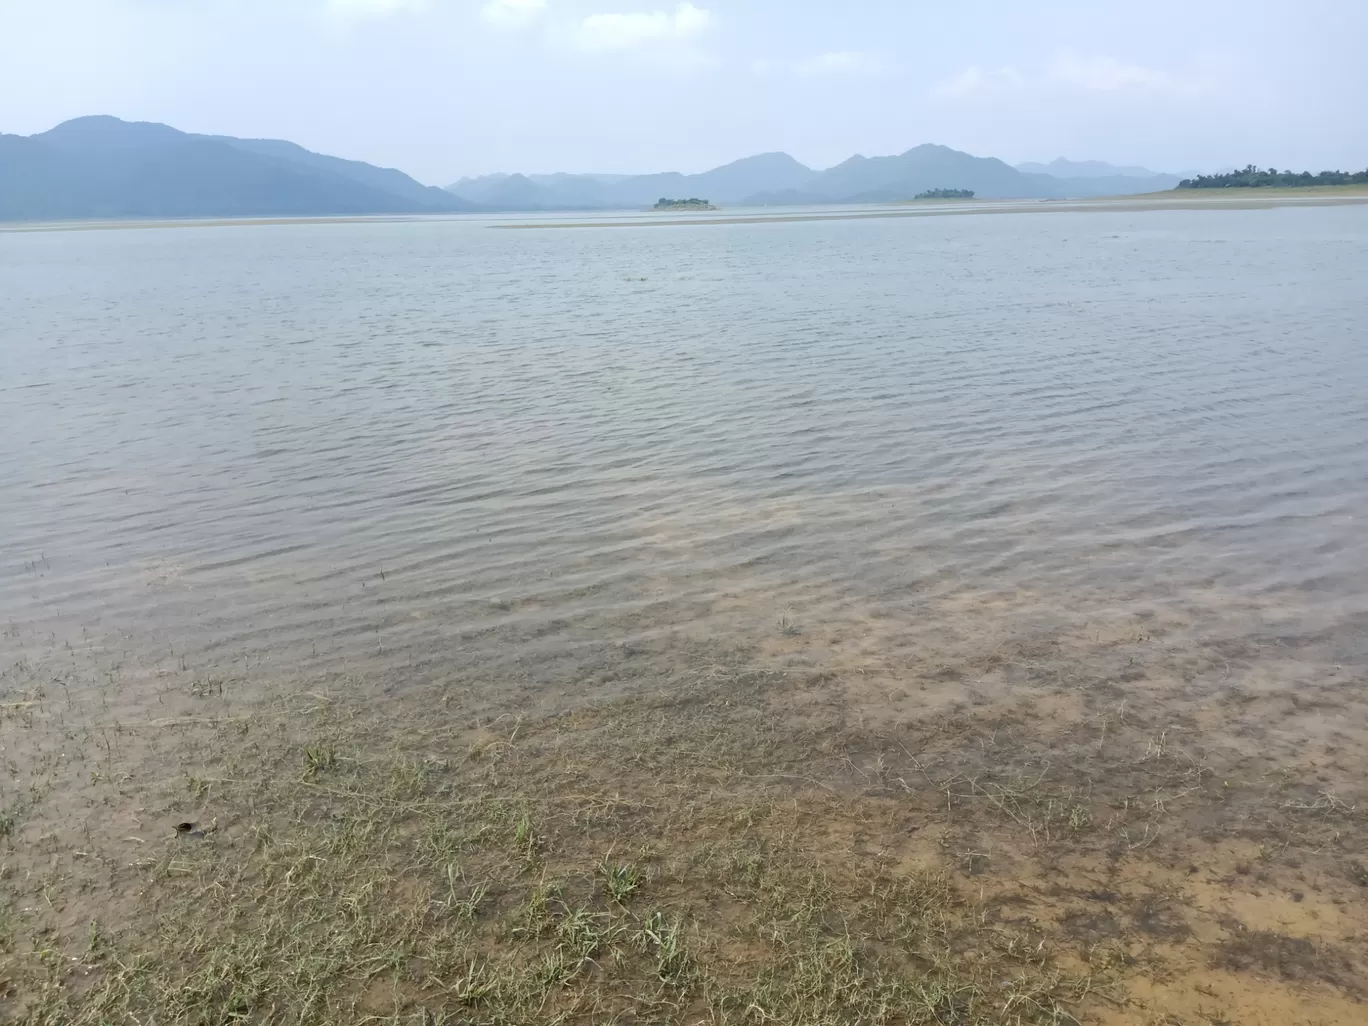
(442, 88)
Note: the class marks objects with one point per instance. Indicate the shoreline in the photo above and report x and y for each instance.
(25, 227)
(759, 835)
(1187, 199)
(1122, 204)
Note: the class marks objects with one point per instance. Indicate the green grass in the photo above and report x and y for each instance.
(337, 913)
(384, 886)
(621, 879)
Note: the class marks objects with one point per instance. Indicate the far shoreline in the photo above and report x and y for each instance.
(1174, 199)
(22, 227)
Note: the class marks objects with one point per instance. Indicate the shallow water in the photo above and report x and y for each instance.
(401, 451)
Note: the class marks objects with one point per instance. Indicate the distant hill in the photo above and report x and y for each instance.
(1096, 178)
(925, 168)
(767, 178)
(385, 179)
(101, 167)
(515, 192)
(772, 179)
(928, 168)
(1062, 168)
(732, 183)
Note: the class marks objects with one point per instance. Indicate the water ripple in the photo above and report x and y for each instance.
(445, 440)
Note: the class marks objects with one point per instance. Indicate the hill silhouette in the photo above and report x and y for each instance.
(769, 179)
(102, 167)
(730, 183)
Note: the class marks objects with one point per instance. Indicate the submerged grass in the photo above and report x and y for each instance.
(464, 880)
(686, 857)
(404, 890)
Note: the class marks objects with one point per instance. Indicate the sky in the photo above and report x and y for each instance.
(447, 88)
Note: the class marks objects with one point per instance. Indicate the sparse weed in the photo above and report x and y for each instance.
(663, 940)
(620, 878)
(319, 758)
(525, 837)
(210, 687)
(537, 912)
(462, 899)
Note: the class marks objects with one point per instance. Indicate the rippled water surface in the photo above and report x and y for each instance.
(390, 449)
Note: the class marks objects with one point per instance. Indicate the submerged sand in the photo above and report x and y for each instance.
(1099, 822)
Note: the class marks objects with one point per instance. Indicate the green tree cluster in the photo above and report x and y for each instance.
(946, 194)
(1252, 178)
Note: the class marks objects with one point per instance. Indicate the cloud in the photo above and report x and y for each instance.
(1109, 75)
(513, 13)
(973, 81)
(634, 29)
(838, 62)
(363, 10)
(1082, 74)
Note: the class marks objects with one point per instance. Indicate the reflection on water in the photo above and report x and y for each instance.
(387, 449)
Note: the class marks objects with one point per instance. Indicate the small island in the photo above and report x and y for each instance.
(1252, 178)
(945, 194)
(683, 204)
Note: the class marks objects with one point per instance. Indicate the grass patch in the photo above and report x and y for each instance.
(621, 879)
(438, 878)
(328, 911)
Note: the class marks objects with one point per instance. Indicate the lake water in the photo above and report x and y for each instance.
(574, 461)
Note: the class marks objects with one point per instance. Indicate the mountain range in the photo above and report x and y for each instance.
(1062, 168)
(102, 167)
(776, 178)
